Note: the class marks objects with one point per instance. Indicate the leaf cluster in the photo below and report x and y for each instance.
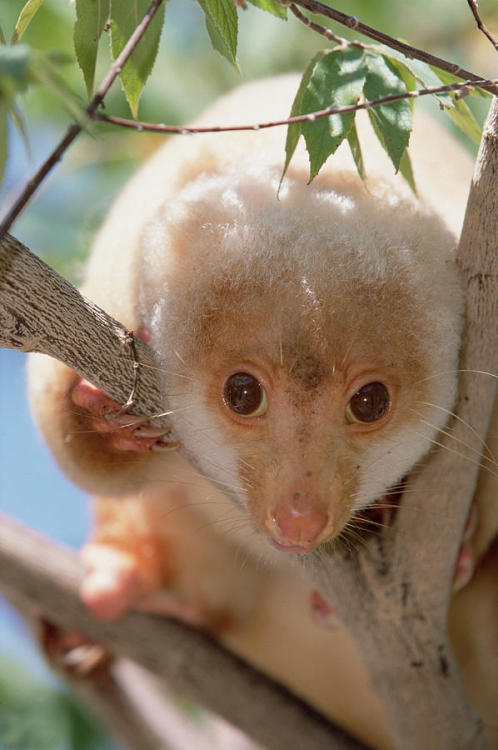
(351, 73)
(343, 76)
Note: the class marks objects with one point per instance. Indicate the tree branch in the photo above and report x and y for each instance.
(393, 594)
(464, 86)
(76, 127)
(480, 23)
(46, 577)
(352, 22)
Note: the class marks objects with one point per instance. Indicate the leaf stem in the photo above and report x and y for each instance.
(182, 130)
(352, 22)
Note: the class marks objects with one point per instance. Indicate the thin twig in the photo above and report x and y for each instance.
(352, 22)
(480, 23)
(310, 116)
(34, 183)
(322, 30)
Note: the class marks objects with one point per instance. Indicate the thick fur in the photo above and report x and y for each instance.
(318, 290)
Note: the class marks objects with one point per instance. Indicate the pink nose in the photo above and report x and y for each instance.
(299, 522)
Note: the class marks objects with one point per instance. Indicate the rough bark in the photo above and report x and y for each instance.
(42, 576)
(393, 594)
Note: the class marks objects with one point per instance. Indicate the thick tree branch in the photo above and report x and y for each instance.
(47, 578)
(393, 594)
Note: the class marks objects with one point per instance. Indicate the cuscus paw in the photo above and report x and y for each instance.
(466, 562)
(72, 653)
(118, 580)
(123, 431)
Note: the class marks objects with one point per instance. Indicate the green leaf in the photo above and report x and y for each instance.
(272, 6)
(15, 70)
(125, 17)
(4, 131)
(448, 78)
(25, 17)
(222, 26)
(2, 36)
(91, 18)
(354, 145)
(423, 73)
(405, 167)
(465, 120)
(392, 121)
(337, 80)
(294, 129)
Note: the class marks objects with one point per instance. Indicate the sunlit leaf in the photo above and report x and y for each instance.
(392, 121)
(294, 129)
(465, 120)
(222, 26)
(405, 167)
(448, 78)
(337, 80)
(272, 6)
(354, 145)
(125, 17)
(25, 17)
(423, 73)
(91, 18)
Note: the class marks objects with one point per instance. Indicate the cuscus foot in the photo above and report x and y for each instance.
(72, 653)
(118, 580)
(123, 431)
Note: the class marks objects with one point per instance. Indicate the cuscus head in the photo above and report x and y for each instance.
(305, 338)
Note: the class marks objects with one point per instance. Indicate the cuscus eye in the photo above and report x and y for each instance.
(368, 404)
(245, 395)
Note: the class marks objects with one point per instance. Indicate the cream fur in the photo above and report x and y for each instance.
(199, 249)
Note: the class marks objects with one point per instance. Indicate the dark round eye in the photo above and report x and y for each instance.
(368, 404)
(245, 395)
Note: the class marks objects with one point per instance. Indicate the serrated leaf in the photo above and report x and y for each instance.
(337, 80)
(422, 72)
(448, 78)
(405, 167)
(354, 145)
(271, 6)
(222, 26)
(125, 17)
(25, 17)
(392, 121)
(4, 132)
(91, 18)
(465, 120)
(294, 129)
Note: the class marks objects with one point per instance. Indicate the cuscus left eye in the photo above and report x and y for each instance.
(245, 395)
(368, 404)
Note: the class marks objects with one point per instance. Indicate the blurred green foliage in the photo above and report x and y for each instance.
(35, 716)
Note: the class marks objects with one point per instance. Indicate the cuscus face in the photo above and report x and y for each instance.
(305, 334)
